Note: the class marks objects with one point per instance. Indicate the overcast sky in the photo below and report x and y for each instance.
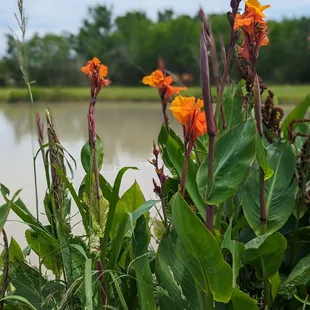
(66, 15)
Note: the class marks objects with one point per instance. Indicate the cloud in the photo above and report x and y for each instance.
(58, 16)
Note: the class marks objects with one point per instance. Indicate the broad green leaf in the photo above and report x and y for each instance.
(4, 213)
(234, 154)
(162, 141)
(298, 112)
(300, 275)
(35, 287)
(261, 155)
(98, 209)
(232, 103)
(175, 152)
(143, 272)
(275, 283)
(128, 203)
(280, 190)
(88, 284)
(236, 249)
(19, 298)
(265, 253)
(241, 300)
(174, 277)
(105, 187)
(15, 252)
(86, 155)
(46, 246)
(112, 208)
(201, 252)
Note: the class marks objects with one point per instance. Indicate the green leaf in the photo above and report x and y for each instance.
(236, 249)
(275, 283)
(15, 252)
(86, 155)
(241, 300)
(261, 155)
(129, 202)
(162, 142)
(19, 298)
(300, 275)
(88, 284)
(46, 246)
(201, 252)
(34, 287)
(234, 154)
(143, 272)
(106, 188)
(24, 214)
(280, 190)
(4, 213)
(174, 277)
(75, 197)
(175, 152)
(232, 103)
(298, 112)
(113, 202)
(265, 253)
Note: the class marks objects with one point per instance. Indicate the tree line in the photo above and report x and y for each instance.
(131, 44)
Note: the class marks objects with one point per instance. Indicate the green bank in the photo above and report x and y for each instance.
(286, 94)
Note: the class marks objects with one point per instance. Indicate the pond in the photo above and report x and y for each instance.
(127, 131)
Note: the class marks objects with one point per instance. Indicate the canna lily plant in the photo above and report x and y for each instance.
(234, 190)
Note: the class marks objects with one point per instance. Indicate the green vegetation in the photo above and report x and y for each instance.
(232, 215)
(287, 94)
(131, 44)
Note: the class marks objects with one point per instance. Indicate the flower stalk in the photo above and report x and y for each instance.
(232, 42)
(259, 125)
(211, 125)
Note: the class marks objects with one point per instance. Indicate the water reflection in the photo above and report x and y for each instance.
(127, 131)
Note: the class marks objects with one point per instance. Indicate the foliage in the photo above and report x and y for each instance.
(131, 43)
(235, 206)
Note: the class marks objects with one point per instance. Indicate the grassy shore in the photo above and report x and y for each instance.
(287, 94)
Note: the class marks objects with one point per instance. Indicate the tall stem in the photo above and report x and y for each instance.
(93, 142)
(211, 124)
(259, 125)
(184, 171)
(209, 221)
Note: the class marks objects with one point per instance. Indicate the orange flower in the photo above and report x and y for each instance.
(254, 28)
(258, 8)
(188, 112)
(162, 83)
(97, 73)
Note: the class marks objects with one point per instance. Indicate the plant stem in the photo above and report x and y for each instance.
(211, 124)
(209, 301)
(5, 273)
(93, 142)
(266, 294)
(184, 171)
(164, 109)
(209, 221)
(259, 125)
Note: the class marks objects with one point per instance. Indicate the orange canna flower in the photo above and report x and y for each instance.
(162, 83)
(97, 73)
(254, 28)
(189, 113)
(258, 8)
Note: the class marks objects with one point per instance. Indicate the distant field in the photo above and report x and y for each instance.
(287, 94)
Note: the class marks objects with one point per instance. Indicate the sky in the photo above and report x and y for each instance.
(58, 16)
